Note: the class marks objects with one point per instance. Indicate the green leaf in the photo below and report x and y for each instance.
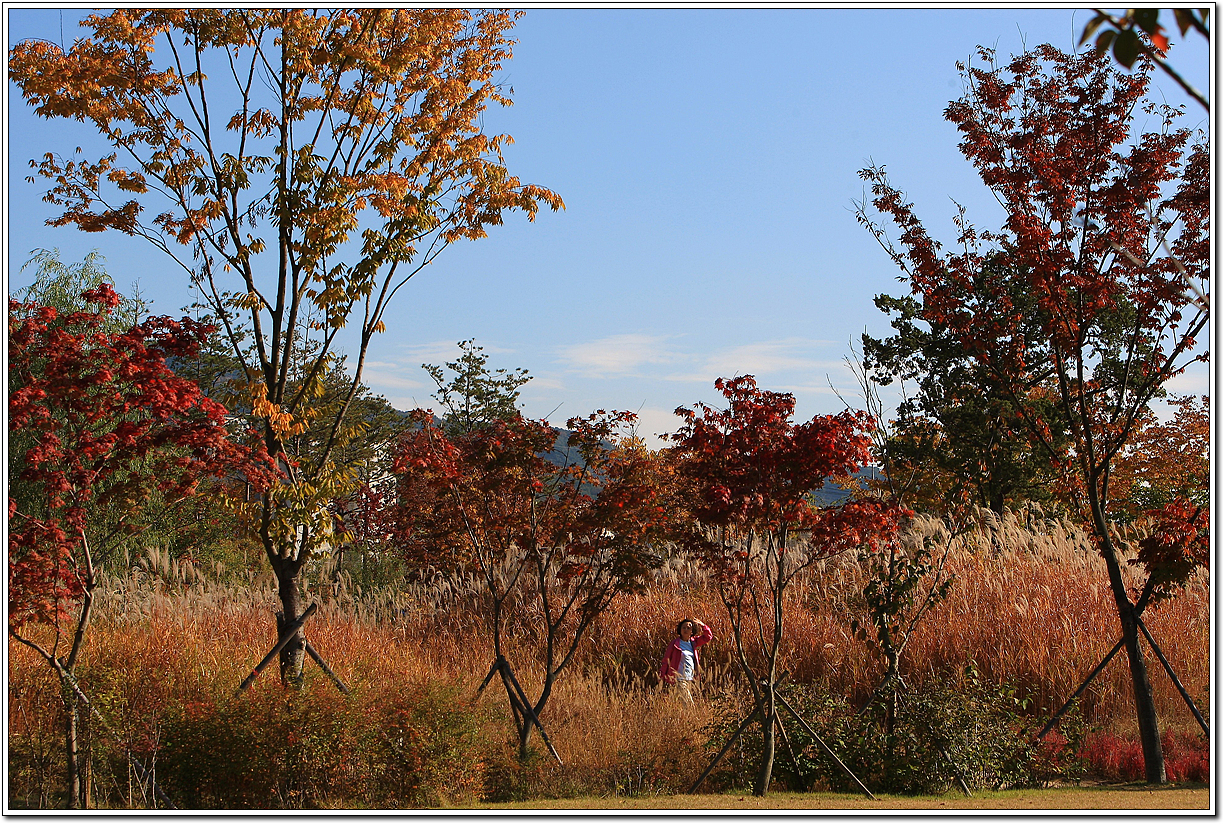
(1126, 48)
(1184, 18)
(1105, 41)
(1147, 19)
(1093, 25)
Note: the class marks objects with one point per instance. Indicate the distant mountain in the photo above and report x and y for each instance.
(832, 493)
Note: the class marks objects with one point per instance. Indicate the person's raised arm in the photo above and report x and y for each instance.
(705, 636)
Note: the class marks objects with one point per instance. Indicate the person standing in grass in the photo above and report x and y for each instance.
(681, 662)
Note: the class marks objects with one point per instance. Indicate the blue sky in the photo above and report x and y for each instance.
(708, 163)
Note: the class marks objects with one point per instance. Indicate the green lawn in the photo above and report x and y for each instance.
(1118, 797)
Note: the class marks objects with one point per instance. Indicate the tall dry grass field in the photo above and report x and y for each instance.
(1031, 607)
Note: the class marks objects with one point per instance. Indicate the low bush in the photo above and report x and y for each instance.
(271, 749)
(942, 734)
(1112, 757)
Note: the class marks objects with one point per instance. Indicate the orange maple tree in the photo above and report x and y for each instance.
(1166, 459)
(301, 166)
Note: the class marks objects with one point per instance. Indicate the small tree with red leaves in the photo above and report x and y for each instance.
(748, 471)
(1109, 234)
(362, 525)
(552, 533)
(101, 425)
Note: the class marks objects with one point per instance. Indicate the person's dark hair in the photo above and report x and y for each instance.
(684, 621)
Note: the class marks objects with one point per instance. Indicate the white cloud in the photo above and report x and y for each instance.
(654, 421)
(379, 380)
(617, 354)
(438, 351)
(787, 356)
(1190, 382)
(406, 403)
(767, 357)
(538, 382)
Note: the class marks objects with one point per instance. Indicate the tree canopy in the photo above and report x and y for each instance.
(301, 166)
(1106, 236)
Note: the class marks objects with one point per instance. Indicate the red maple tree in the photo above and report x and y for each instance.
(748, 472)
(101, 429)
(1108, 232)
(560, 528)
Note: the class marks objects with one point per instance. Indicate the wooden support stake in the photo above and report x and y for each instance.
(1050, 724)
(530, 712)
(285, 638)
(793, 756)
(734, 737)
(808, 729)
(487, 678)
(1169, 669)
(876, 694)
(516, 706)
(318, 659)
(956, 772)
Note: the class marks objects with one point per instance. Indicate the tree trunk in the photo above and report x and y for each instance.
(337, 571)
(769, 719)
(892, 678)
(525, 730)
(292, 657)
(1145, 706)
(524, 738)
(71, 743)
(85, 758)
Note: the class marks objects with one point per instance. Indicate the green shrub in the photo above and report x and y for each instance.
(942, 734)
(36, 765)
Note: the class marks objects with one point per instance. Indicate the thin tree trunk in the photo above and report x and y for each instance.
(1145, 706)
(538, 709)
(769, 713)
(71, 743)
(525, 730)
(85, 758)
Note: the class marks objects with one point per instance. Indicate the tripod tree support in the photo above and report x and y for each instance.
(1104, 661)
(1169, 669)
(960, 779)
(808, 729)
(286, 636)
(734, 737)
(493, 670)
(518, 701)
(318, 659)
(803, 784)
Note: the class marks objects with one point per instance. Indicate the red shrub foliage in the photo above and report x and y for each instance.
(1115, 758)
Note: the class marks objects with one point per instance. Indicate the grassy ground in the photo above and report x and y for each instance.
(1118, 797)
